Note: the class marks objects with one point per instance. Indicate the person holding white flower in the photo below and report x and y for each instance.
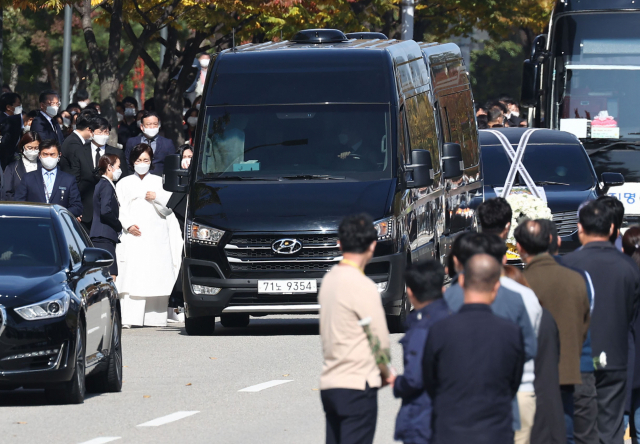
(616, 282)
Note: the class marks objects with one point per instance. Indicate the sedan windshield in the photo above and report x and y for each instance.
(548, 165)
(298, 142)
(597, 75)
(27, 242)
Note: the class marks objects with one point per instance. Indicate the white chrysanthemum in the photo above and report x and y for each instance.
(526, 206)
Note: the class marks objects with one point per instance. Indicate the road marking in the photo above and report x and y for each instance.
(94, 329)
(167, 419)
(102, 440)
(265, 385)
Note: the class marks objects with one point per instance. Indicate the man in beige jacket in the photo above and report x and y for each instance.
(350, 376)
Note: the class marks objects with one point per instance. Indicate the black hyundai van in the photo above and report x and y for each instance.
(294, 136)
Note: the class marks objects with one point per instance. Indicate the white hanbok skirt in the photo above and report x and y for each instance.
(145, 311)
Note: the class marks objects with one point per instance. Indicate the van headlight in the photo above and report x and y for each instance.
(385, 228)
(54, 307)
(201, 234)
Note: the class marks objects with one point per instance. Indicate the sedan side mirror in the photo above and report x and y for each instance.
(96, 258)
(452, 164)
(173, 173)
(612, 180)
(420, 173)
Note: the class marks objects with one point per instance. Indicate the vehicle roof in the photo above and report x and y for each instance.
(25, 209)
(373, 44)
(539, 137)
(594, 5)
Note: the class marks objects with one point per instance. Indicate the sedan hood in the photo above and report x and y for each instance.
(24, 285)
(287, 206)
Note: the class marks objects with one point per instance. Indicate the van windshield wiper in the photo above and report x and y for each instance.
(313, 176)
(208, 176)
(548, 182)
(627, 145)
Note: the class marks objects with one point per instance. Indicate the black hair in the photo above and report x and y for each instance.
(425, 280)
(6, 86)
(189, 111)
(93, 105)
(137, 152)
(88, 113)
(84, 122)
(146, 114)
(47, 93)
(106, 161)
(553, 234)
(81, 95)
(119, 104)
(73, 105)
(49, 143)
(184, 148)
(494, 114)
(596, 218)
(483, 121)
(28, 137)
(533, 236)
(33, 114)
(494, 215)
(497, 104)
(150, 105)
(100, 123)
(186, 103)
(131, 100)
(468, 244)
(356, 233)
(618, 214)
(631, 244)
(8, 99)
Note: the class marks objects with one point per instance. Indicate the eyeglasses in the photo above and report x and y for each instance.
(52, 103)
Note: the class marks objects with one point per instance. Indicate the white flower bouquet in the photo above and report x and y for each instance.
(524, 206)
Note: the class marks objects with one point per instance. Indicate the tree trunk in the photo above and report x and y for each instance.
(108, 90)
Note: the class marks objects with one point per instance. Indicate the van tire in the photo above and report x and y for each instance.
(236, 320)
(200, 326)
(396, 324)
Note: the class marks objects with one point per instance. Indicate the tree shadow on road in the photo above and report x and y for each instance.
(271, 327)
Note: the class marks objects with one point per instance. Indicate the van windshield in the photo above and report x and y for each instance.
(297, 142)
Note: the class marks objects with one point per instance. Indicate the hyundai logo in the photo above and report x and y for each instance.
(286, 246)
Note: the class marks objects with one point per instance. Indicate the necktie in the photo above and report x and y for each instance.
(97, 157)
(49, 185)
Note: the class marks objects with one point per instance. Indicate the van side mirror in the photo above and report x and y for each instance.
(611, 180)
(539, 48)
(173, 174)
(420, 173)
(530, 82)
(452, 164)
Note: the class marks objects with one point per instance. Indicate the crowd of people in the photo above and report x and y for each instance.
(541, 354)
(115, 192)
(501, 113)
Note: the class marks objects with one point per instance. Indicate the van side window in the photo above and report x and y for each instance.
(456, 114)
(422, 127)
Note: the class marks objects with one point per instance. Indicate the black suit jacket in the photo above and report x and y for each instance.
(164, 148)
(47, 130)
(70, 145)
(11, 130)
(64, 192)
(13, 175)
(472, 367)
(106, 211)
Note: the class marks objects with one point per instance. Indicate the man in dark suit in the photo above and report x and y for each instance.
(161, 146)
(473, 364)
(10, 127)
(78, 139)
(48, 184)
(85, 158)
(616, 283)
(43, 123)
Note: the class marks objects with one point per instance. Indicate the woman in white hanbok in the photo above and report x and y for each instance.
(149, 251)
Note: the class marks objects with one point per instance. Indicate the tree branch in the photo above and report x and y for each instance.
(96, 55)
(138, 50)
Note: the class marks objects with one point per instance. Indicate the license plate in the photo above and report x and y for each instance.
(288, 286)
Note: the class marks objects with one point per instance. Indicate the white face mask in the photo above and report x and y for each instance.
(198, 107)
(204, 63)
(129, 112)
(116, 174)
(119, 117)
(100, 139)
(26, 128)
(151, 132)
(83, 105)
(185, 163)
(142, 168)
(17, 110)
(52, 110)
(515, 113)
(49, 163)
(31, 155)
(192, 121)
(66, 122)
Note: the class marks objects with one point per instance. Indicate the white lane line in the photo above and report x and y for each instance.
(167, 419)
(102, 440)
(265, 385)
(94, 329)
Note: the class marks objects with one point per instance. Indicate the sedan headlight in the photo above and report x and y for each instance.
(201, 234)
(54, 307)
(384, 228)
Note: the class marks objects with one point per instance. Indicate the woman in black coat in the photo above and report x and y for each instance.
(106, 226)
(26, 161)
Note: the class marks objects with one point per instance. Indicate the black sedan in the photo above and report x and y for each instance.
(60, 323)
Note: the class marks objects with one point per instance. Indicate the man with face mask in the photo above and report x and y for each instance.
(204, 60)
(161, 146)
(43, 123)
(80, 136)
(10, 126)
(48, 184)
(128, 128)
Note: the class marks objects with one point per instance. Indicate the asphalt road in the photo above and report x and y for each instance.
(179, 388)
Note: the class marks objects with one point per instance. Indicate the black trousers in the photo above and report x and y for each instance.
(611, 389)
(585, 411)
(351, 415)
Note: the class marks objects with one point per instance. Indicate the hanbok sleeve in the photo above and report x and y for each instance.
(161, 200)
(125, 205)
